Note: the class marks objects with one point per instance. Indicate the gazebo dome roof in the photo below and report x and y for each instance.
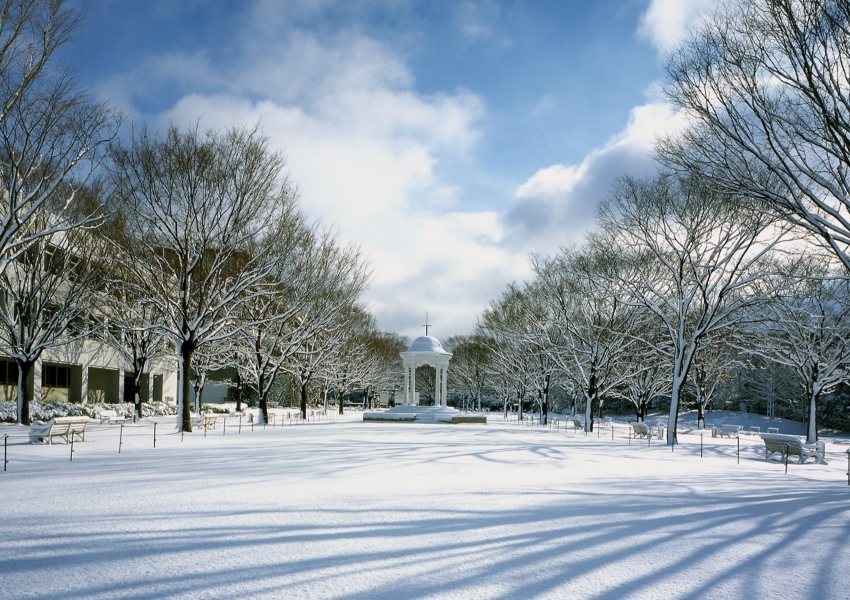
(426, 343)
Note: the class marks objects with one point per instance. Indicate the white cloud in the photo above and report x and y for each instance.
(557, 204)
(666, 22)
(552, 181)
(362, 147)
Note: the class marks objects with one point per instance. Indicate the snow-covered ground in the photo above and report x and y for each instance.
(346, 509)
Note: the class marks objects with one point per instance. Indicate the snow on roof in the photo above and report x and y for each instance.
(426, 343)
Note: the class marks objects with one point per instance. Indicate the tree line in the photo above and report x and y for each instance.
(727, 270)
(180, 245)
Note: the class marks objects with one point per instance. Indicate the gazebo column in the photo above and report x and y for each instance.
(414, 397)
(445, 384)
(437, 400)
(406, 385)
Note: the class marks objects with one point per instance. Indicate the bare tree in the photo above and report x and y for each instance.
(470, 365)
(589, 329)
(694, 258)
(198, 209)
(352, 364)
(385, 363)
(314, 280)
(51, 134)
(764, 84)
(712, 370)
(505, 327)
(807, 328)
(125, 329)
(49, 291)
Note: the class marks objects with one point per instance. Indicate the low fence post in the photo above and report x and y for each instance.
(6, 454)
(154, 434)
(739, 449)
(700, 445)
(224, 427)
(848, 465)
(786, 459)
(120, 438)
(72, 446)
(240, 424)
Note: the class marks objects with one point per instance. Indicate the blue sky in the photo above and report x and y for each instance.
(447, 139)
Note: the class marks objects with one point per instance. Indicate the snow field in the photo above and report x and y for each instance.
(345, 509)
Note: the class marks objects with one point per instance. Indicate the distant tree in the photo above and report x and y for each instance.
(807, 328)
(126, 331)
(470, 365)
(712, 370)
(49, 293)
(504, 326)
(198, 209)
(386, 367)
(693, 259)
(590, 329)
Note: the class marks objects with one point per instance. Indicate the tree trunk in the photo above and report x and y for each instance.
(812, 429)
(304, 400)
(200, 392)
(674, 414)
(519, 407)
(186, 385)
(25, 391)
(137, 396)
(264, 405)
(238, 391)
(700, 415)
(544, 406)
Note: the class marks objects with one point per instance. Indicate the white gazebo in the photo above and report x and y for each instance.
(425, 350)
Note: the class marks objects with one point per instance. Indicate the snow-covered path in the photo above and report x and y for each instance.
(345, 509)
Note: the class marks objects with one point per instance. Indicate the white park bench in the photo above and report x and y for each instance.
(205, 422)
(643, 430)
(575, 422)
(729, 431)
(109, 417)
(63, 428)
(791, 445)
(754, 430)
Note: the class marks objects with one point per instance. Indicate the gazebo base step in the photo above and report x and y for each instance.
(425, 414)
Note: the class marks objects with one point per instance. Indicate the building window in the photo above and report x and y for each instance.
(56, 376)
(8, 372)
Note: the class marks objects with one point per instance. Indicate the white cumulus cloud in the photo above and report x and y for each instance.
(666, 22)
(362, 145)
(557, 203)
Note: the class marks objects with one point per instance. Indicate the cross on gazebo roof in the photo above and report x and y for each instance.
(426, 326)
